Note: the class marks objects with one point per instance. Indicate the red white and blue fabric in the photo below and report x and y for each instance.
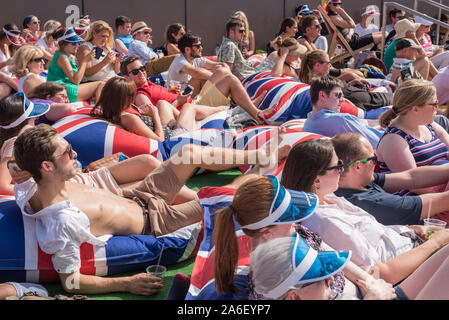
(94, 138)
(291, 96)
(202, 282)
(257, 137)
(22, 260)
(256, 59)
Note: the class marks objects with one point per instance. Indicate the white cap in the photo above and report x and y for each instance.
(423, 21)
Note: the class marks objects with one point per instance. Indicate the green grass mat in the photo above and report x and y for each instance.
(197, 182)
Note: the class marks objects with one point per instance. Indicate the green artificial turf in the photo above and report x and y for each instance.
(207, 179)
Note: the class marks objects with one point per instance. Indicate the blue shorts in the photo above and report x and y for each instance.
(400, 294)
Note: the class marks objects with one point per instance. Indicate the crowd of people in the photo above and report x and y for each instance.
(376, 179)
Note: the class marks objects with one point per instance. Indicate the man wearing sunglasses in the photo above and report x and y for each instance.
(374, 192)
(230, 53)
(140, 45)
(56, 198)
(326, 95)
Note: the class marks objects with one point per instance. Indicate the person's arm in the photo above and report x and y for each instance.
(172, 49)
(64, 64)
(6, 187)
(144, 51)
(10, 61)
(421, 52)
(134, 124)
(60, 110)
(401, 266)
(91, 68)
(133, 169)
(307, 44)
(279, 67)
(120, 46)
(252, 44)
(30, 83)
(442, 134)
(416, 178)
(142, 284)
(197, 73)
(344, 20)
(324, 28)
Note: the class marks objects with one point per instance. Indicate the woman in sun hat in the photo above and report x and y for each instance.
(18, 114)
(63, 70)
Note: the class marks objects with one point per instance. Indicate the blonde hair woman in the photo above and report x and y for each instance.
(412, 138)
(28, 64)
(106, 63)
(248, 45)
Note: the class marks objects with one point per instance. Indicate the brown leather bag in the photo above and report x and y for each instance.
(103, 162)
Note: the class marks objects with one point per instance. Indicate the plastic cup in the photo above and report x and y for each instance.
(431, 225)
(174, 85)
(157, 270)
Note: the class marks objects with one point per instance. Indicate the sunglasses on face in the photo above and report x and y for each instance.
(38, 59)
(336, 4)
(147, 32)
(68, 151)
(136, 71)
(36, 22)
(242, 31)
(365, 160)
(317, 26)
(337, 95)
(340, 167)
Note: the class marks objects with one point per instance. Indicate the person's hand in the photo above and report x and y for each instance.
(440, 237)
(376, 289)
(183, 98)
(26, 33)
(360, 83)
(317, 13)
(147, 109)
(283, 51)
(338, 9)
(17, 175)
(110, 57)
(144, 284)
(412, 35)
(88, 57)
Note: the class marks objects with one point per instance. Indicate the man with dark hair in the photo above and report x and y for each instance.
(123, 35)
(373, 192)
(56, 199)
(230, 53)
(190, 67)
(395, 15)
(326, 96)
(406, 65)
(311, 29)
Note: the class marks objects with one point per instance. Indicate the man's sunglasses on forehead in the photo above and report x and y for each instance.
(137, 70)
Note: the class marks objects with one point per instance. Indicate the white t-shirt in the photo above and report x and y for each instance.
(345, 226)
(175, 73)
(369, 29)
(3, 58)
(60, 228)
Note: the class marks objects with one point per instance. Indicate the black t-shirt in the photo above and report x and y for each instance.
(387, 208)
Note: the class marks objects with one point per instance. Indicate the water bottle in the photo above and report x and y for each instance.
(217, 49)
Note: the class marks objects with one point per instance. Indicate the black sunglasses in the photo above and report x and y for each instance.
(337, 95)
(68, 151)
(336, 4)
(38, 59)
(340, 167)
(147, 32)
(373, 159)
(36, 22)
(242, 30)
(136, 71)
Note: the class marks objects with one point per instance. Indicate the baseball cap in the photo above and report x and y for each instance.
(423, 21)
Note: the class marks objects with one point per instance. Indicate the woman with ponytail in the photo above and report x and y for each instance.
(412, 138)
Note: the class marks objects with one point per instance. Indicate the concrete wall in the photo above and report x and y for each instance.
(206, 18)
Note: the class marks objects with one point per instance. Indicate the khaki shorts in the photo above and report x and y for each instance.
(158, 190)
(101, 178)
(211, 96)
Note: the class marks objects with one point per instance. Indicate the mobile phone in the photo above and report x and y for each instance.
(98, 52)
(187, 90)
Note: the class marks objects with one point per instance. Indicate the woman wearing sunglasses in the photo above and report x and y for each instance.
(29, 63)
(390, 251)
(412, 138)
(32, 29)
(63, 70)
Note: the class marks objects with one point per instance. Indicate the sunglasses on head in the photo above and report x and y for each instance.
(199, 45)
(38, 59)
(364, 160)
(136, 71)
(68, 151)
(340, 167)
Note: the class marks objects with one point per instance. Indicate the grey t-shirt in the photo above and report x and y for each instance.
(230, 53)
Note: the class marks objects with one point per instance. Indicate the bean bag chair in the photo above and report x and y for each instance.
(22, 260)
(94, 138)
(256, 59)
(292, 98)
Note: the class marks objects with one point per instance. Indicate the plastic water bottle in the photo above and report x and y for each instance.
(217, 49)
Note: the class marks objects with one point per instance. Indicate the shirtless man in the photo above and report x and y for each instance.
(66, 219)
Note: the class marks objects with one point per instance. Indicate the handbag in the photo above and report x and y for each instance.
(104, 162)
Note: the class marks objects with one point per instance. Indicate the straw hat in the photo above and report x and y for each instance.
(403, 26)
(140, 26)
